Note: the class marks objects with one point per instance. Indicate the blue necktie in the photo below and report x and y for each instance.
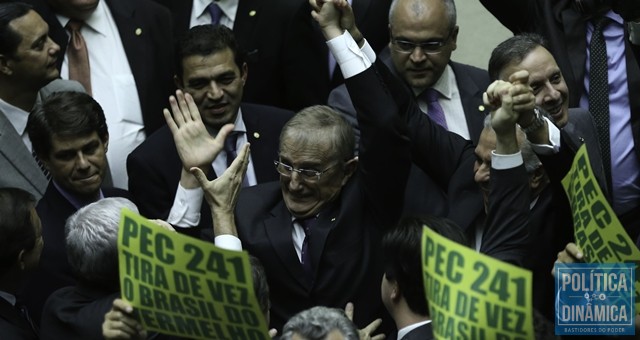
(305, 256)
(215, 12)
(434, 109)
(232, 152)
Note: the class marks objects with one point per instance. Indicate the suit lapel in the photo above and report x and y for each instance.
(320, 232)
(281, 241)
(12, 315)
(471, 98)
(261, 153)
(17, 154)
(244, 24)
(574, 38)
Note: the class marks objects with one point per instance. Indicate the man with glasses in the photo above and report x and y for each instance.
(423, 37)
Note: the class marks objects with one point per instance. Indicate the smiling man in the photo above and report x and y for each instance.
(27, 74)
(69, 134)
(212, 70)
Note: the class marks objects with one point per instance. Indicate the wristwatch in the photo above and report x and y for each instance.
(634, 32)
(536, 123)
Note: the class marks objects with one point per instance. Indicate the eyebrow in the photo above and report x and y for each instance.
(41, 39)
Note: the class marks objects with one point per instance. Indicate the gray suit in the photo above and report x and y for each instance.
(17, 166)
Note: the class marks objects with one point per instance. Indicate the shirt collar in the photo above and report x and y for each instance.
(9, 297)
(17, 116)
(97, 21)
(74, 199)
(228, 7)
(404, 331)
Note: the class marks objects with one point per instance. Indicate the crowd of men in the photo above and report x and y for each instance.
(184, 111)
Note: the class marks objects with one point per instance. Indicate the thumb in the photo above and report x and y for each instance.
(199, 175)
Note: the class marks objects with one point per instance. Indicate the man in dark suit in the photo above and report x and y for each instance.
(460, 87)
(69, 134)
(130, 64)
(569, 26)
(29, 74)
(213, 72)
(273, 34)
(20, 247)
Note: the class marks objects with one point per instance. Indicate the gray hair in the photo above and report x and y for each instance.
(418, 8)
(317, 322)
(531, 160)
(321, 122)
(92, 240)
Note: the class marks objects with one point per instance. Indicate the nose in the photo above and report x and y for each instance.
(551, 94)
(82, 161)
(295, 182)
(417, 55)
(54, 48)
(214, 92)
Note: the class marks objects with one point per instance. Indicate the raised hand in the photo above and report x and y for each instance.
(196, 147)
(498, 97)
(333, 16)
(365, 333)
(222, 192)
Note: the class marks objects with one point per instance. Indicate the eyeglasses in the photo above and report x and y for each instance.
(307, 175)
(431, 47)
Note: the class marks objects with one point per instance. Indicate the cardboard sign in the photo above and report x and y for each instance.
(182, 286)
(472, 295)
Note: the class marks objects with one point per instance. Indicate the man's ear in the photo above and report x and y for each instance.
(350, 168)
(5, 65)
(105, 141)
(454, 38)
(21, 257)
(178, 82)
(245, 73)
(537, 178)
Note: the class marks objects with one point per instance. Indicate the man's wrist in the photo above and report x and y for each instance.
(634, 31)
(536, 123)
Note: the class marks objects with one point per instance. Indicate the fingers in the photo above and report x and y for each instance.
(200, 176)
(348, 310)
(223, 133)
(273, 332)
(164, 224)
(573, 250)
(193, 108)
(372, 326)
(122, 305)
(120, 324)
(519, 77)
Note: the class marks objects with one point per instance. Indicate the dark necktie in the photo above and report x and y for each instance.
(435, 111)
(232, 152)
(215, 12)
(599, 91)
(78, 56)
(44, 169)
(305, 256)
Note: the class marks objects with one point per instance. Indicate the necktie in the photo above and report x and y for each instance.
(44, 169)
(435, 111)
(305, 257)
(232, 152)
(599, 91)
(78, 56)
(215, 12)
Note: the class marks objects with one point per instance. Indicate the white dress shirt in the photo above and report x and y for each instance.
(113, 87)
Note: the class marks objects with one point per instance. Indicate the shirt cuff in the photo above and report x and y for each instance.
(228, 242)
(185, 211)
(554, 138)
(348, 55)
(503, 162)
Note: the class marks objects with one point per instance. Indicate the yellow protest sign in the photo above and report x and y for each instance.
(472, 295)
(182, 286)
(597, 230)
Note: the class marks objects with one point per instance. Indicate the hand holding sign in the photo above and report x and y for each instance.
(120, 324)
(222, 193)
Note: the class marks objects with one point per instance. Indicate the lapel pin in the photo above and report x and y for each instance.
(481, 108)
(252, 13)
(333, 219)
(138, 31)
(256, 135)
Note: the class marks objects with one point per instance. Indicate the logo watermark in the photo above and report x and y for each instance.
(595, 299)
